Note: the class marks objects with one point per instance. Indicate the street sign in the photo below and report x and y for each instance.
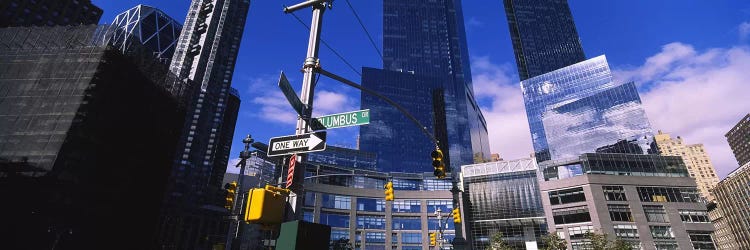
(290, 172)
(290, 95)
(293, 144)
(352, 118)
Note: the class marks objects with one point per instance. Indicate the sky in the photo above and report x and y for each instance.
(690, 59)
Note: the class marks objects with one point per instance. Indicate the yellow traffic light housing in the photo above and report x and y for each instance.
(265, 205)
(231, 189)
(389, 195)
(456, 216)
(438, 163)
(433, 239)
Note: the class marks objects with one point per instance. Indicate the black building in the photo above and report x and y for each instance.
(739, 140)
(87, 137)
(48, 12)
(544, 36)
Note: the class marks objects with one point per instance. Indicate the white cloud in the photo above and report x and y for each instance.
(327, 102)
(506, 117)
(697, 95)
(474, 22)
(744, 30)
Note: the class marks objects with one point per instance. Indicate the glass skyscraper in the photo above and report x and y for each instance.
(15, 13)
(426, 66)
(544, 36)
(206, 54)
(148, 26)
(579, 109)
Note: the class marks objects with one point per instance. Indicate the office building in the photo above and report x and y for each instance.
(16, 13)
(696, 160)
(544, 36)
(149, 27)
(344, 157)
(579, 109)
(87, 137)
(733, 199)
(206, 54)
(503, 197)
(647, 200)
(431, 54)
(722, 236)
(355, 208)
(739, 140)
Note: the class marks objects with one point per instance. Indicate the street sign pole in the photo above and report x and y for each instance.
(308, 86)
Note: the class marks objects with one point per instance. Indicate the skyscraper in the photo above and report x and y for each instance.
(739, 140)
(48, 13)
(733, 196)
(87, 138)
(696, 159)
(544, 36)
(148, 26)
(206, 54)
(430, 52)
(595, 145)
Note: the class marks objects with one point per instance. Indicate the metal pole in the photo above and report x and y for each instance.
(306, 96)
(234, 238)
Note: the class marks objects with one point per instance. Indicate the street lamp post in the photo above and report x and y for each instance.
(234, 238)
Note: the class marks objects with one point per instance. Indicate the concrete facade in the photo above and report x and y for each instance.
(739, 140)
(733, 198)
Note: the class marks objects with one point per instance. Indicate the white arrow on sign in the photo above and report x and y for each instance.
(308, 143)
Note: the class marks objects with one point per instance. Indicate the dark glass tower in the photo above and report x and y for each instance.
(48, 13)
(427, 71)
(206, 54)
(544, 36)
(739, 140)
(148, 26)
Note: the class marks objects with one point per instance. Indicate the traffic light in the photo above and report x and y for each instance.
(266, 205)
(389, 191)
(438, 164)
(433, 239)
(456, 216)
(231, 194)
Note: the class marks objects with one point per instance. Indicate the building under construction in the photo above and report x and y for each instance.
(87, 139)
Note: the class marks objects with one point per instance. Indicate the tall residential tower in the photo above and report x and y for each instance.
(206, 54)
(696, 159)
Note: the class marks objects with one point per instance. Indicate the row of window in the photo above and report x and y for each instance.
(377, 204)
(663, 236)
(617, 193)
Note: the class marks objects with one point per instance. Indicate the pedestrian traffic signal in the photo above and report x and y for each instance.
(231, 189)
(433, 239)
(438, 164)
(389, 191)
(456, 216)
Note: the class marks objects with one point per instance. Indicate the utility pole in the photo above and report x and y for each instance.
(234, 237)
(306, 96)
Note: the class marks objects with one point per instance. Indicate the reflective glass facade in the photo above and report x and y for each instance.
(503, 197)
(543, 34)
(616, 164)
(426, 71)
(148, 26)
(344, 157)
(579, 109)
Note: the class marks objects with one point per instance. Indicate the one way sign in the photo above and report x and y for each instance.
(294, 144)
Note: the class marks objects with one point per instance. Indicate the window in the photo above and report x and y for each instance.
(614, 193)
(655, 213)
(310, 199)
(373, 205)
(339, 234)
(661, 232)
(701, 240)
(406, 206)
(626, 231)
(694, 216)
(337, 201)
(375, 237)
(669, 245)
(407, 223)
(571, 215)
(619, 212)
(435, 184)
(566, 196)
(414, 238)
(579, 232)
(370, 222)
(307, 216)
(444, 205)
(665, 194)
(334, 220)
(433, 224)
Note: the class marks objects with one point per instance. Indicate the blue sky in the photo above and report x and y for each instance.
(690, 59)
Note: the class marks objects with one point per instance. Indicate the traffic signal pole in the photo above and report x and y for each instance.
(306, 96)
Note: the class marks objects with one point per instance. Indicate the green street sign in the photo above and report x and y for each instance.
(353, 118)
